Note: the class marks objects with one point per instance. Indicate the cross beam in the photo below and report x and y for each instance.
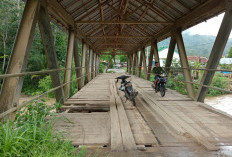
(124, 22)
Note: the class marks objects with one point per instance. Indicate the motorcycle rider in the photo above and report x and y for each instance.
(157, 70)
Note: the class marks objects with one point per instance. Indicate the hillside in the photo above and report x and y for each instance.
(198, 45)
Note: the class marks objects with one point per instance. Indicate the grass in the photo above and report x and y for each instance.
(31, 134)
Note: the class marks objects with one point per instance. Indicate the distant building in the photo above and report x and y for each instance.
(197, 59)
(226, 61)
(163, 53)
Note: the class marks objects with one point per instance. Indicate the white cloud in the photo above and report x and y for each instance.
(210, 27)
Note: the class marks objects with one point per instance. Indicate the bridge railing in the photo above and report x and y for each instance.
(13, 109)
(196, 69)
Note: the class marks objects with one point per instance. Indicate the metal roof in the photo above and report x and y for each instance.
(128, 25)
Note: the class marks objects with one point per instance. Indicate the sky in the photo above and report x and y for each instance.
(210, 27)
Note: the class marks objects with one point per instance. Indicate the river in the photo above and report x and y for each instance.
(223, 102)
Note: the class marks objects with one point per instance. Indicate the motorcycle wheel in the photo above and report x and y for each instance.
(162, 90)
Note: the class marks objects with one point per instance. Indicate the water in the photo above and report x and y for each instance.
(223, 103)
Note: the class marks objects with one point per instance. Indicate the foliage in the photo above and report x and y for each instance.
(102, 67)
(198, 45)
(229, 55)
(226, 66)
(31, 134)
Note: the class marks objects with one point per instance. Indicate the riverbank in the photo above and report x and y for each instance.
(222, 102)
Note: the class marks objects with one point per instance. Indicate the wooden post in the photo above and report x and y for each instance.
(144, 63)
(127, 69)
(140, 64)
(77, 62)
(98, 64)
(49, 47)
(150, 60)
(94, 64)
(90, 64)
(84, 49)
(68, 63)
(12, 87)
(216, 53)
(87, 65)
(129, 63)
(184, 64)
(136, 63)
(156, 53)
(170, 54)
(132, 64)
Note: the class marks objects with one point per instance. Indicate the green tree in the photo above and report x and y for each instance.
(230, 53)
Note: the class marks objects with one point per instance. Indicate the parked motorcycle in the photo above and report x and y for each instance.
(127, 88)
(161, 85)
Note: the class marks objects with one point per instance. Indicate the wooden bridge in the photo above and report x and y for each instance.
(175, 125)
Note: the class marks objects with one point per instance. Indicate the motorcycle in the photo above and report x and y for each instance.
(161, 85)
(127, 88)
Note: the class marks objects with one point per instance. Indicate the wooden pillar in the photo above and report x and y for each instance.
(87, 65)
(90, 64)
(50, 52)
(170, 54)
(127, 68)
(84, 49)
(132, 64)
(156, 53)
(129, 63)
(136, 63)
(140, 64)
(68, 63)
(98, 64)
(150, 60)
(216, 53)
(12, 87)
(184, 64)
(94, 65)
(144, 63)
(77, 63)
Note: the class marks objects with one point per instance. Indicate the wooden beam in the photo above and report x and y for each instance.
(68, 63)
(83, 65)
(144, 63)
(156, 53)
(184, 64)
(216, 53)
(150, 60)
(124, 22)
(94, 64)
(135, 63)
(195, 16)
(77, 62)
(50, 52)
(116, 36)
(11, 88)
(87, 57)
(90, 64)
(171, 50)
(140, 64)
(59, 12)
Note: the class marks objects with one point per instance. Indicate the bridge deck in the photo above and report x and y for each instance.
(170, 126)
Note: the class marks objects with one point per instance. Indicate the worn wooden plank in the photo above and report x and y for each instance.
(116, 137)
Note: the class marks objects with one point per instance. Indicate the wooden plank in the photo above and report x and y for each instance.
(127, 136)
(116, 137)
(177, 121)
